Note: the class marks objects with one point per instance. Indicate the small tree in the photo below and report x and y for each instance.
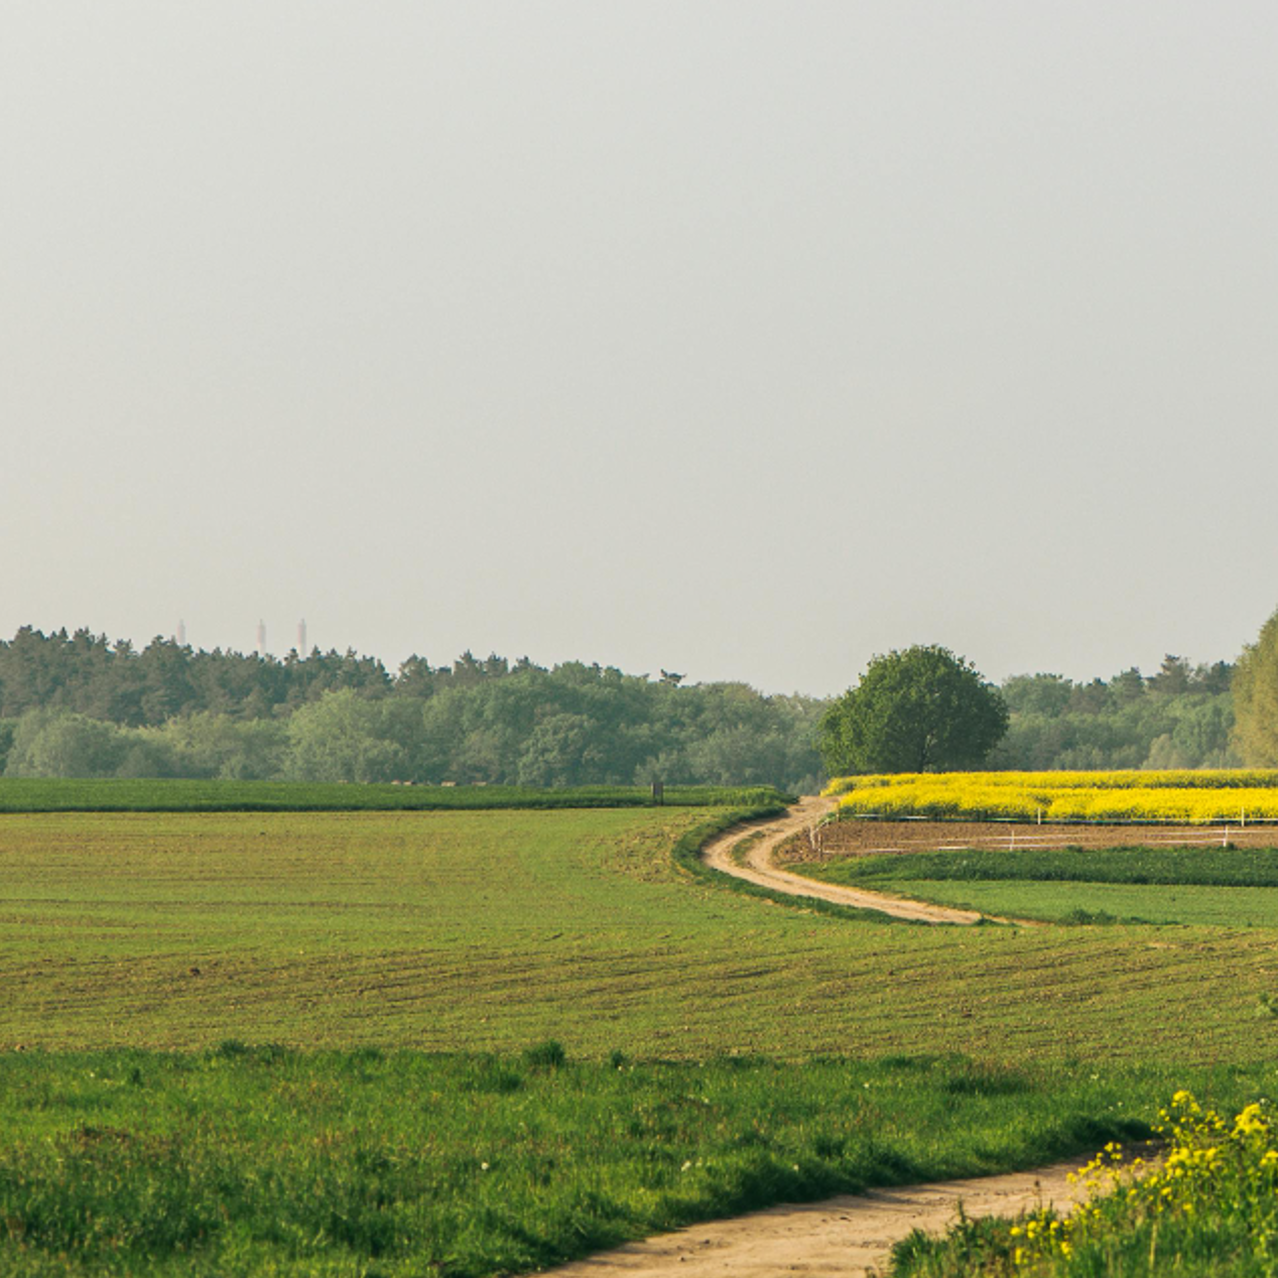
(913, 711)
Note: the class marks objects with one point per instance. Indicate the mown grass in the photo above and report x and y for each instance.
(1089, 904)
(246, 1161)
(19, 794)
(1209, 887)
(484, 931)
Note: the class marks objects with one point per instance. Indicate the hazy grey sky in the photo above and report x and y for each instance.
(741, 339)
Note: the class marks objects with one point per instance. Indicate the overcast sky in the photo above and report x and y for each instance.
(745, 340)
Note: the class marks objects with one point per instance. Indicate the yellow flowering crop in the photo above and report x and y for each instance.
(1217, 1179)
(1209, 795)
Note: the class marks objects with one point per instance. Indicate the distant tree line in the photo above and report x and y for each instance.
(1180, 717)
(79, 704)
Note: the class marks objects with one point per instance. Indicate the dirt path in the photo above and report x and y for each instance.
(759, 869)
(850, 1236)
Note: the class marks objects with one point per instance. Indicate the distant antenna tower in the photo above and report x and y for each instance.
(181, 634)
(261, 638)
(301, 637)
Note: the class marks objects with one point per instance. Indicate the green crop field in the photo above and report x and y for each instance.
(490, 930)
(1213, 887)
(19, 794)
(405, 961)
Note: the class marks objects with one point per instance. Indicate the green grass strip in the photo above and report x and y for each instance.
(39, 795)
(1215, 867)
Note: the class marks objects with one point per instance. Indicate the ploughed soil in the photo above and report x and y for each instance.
(867, 837)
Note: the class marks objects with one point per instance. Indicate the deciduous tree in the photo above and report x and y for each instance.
(1255, 688)
(913, 711)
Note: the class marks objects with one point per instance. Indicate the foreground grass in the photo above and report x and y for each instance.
(1210, 887)
(41, 795)
(1210, 1208)
(485, 931)
(238, 1161)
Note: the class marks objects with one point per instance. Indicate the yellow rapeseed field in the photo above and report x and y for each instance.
(1232, 794)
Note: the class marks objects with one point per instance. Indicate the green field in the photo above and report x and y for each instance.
(19, 794)
(366, 944)
(1210, 887)
(491, 930)
(240, 1161)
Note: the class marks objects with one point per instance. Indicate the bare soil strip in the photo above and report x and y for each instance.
(874, 837)
(760, 869)
(851, 1237)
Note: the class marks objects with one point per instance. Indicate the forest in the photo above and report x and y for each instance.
(79, 704)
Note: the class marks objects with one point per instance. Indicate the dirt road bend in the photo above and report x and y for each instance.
(758, 868)
(851, 1237)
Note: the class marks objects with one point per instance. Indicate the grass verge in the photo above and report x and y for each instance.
(1210, 1209)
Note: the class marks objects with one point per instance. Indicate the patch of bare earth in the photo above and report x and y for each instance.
(870, 837)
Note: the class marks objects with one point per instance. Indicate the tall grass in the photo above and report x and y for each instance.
(261, 1160)
(1209, 1210)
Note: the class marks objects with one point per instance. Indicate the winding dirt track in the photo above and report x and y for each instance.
(850, 1237)
(759, 869)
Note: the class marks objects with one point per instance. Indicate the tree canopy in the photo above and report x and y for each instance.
(913, 711)
(1255, 691)
(81, 704)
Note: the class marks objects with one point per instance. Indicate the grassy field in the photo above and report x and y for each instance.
(265, 1161)
(490, 930)
(1212, 887)
(138, 949)
(19, 794)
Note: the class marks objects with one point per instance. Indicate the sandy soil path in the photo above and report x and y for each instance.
(850, 1237)
(759, 869)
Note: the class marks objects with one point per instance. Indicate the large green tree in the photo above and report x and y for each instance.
(913, 711)
(1255, 689)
